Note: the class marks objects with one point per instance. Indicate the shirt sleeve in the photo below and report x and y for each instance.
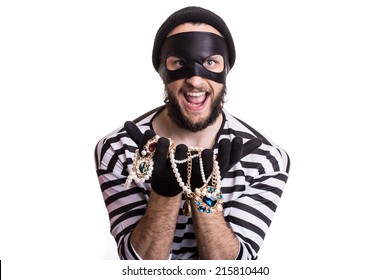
(125, 207)
(250, 215)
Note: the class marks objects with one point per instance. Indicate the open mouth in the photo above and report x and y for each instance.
(196, 100)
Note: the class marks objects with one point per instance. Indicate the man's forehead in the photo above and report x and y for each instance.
(193, 27)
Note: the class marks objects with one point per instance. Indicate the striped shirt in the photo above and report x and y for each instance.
(252, 189)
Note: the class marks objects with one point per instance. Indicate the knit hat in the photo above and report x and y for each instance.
(192, 14)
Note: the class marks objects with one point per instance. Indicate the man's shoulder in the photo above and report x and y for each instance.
(147, 118)
(143, 122)
(113, 142)
(235, 127)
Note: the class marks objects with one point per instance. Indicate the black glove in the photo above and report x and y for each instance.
(163, 180)
(229, 153)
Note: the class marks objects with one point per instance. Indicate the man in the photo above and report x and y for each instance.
(188, 180)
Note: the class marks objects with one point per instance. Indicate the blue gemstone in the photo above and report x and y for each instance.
(143, 167)
(210, 201)
(210, 189)
(201, 208)
(220, 196)
(197, 203)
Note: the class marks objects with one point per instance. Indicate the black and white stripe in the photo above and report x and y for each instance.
(252, 190)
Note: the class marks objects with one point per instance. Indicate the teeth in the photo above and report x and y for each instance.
(196, 94)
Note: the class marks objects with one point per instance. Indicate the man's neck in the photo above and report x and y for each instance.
(164, 126)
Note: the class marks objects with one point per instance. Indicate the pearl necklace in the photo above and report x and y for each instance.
(207, 198)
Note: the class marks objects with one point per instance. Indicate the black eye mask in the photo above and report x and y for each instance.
(193, 48)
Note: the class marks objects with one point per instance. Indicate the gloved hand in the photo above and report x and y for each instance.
(229, 153)
(163, 180)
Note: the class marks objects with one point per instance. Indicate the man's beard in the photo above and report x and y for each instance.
(174, 111)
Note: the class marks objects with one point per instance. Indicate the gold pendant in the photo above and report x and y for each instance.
(187, 208)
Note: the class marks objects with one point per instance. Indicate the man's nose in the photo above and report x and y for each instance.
(195, 81)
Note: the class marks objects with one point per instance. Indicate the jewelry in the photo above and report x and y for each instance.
(207, 198)
(142, 167)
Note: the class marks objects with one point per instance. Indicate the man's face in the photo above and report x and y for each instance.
(195, 102)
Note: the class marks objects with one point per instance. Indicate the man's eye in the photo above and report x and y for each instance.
(179, 62)
(174, 63)
(214, 63)
(210, 63)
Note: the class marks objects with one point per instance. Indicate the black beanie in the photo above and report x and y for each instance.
(192, 14)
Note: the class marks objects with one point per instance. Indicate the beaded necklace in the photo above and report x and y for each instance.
(208, 197)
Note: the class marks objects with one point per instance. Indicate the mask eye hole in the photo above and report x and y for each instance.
(174, 63)
(214, 63)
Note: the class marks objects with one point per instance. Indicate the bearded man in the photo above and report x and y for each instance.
(188, 180)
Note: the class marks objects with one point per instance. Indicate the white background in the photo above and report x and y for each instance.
(311, 75)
